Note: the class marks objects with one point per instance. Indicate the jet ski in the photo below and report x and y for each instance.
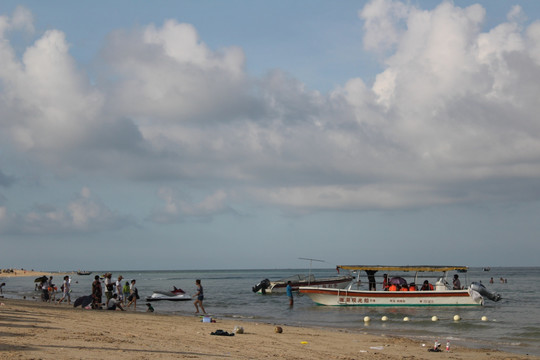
(174, 295)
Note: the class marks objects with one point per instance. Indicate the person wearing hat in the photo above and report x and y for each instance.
(118, 287)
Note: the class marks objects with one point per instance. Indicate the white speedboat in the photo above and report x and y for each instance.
(175, 295)
(280, 286)
(403, 294)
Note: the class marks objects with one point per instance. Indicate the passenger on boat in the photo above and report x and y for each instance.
(404, 288)
(393, 287)
(412, 287)
(456, 282)
(371, 280)
(426, 286)
(385, 282)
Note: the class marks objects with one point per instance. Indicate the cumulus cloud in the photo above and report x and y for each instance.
(21, 19)
(178, 208)
(452, 118)
(169, 74)
(47, 103)
(383, 23)
(84, 214)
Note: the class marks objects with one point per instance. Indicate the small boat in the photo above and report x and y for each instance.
(487, 269)
(174, 295)
(280, 286)
(441, 295)
(83, 272)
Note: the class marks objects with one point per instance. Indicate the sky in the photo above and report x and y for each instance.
(239, 134)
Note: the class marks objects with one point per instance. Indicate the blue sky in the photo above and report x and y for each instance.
(247, 134)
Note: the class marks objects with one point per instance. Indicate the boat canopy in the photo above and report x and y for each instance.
(426, 268)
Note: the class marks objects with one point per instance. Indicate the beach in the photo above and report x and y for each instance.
(30, 273)
(36, 330)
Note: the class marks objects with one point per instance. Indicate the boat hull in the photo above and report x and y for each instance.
(338, 297)
(280, 287)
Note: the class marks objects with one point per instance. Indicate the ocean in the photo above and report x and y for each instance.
(513, 323)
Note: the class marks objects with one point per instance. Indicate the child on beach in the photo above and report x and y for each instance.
(125, 291)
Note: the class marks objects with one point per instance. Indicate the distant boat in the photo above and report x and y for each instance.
(487, 268)
(83, 272)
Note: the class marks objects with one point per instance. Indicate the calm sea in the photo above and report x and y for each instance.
(513, 323)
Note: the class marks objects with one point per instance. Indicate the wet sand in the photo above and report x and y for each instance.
(36, 330)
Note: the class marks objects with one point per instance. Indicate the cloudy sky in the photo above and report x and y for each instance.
(247, 134)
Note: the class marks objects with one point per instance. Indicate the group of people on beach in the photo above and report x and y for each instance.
(49, 289)
(117, 293)
(120, 295)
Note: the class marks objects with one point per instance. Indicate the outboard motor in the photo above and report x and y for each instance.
(481, 289)
(263, 285)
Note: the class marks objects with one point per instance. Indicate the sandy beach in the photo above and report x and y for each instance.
(36, 330)
(22, 272)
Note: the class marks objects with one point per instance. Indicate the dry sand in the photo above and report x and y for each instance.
(36, 330)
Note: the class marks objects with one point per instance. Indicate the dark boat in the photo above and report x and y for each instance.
(83, 272)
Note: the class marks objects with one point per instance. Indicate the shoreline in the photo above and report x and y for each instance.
(31, 329)
(32, 273)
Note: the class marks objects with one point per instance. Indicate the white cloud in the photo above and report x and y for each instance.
(84, 214)
(179, 208)
(451, 119)
(168, 74)
(46, 101)
(382, 23)
(23, 19)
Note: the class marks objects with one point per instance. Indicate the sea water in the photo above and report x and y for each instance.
(513, 323)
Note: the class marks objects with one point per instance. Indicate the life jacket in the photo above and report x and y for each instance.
(404, 289)
(412, 288)
(392, 288)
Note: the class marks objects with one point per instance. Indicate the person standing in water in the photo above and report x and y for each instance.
(133, 295)
(97, 292)
(199, 297)
(289, 294)
(65, 290)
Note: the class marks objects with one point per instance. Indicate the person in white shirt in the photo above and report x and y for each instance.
(114, 303)
(118, 287)
(109, 286)
(66, 290)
